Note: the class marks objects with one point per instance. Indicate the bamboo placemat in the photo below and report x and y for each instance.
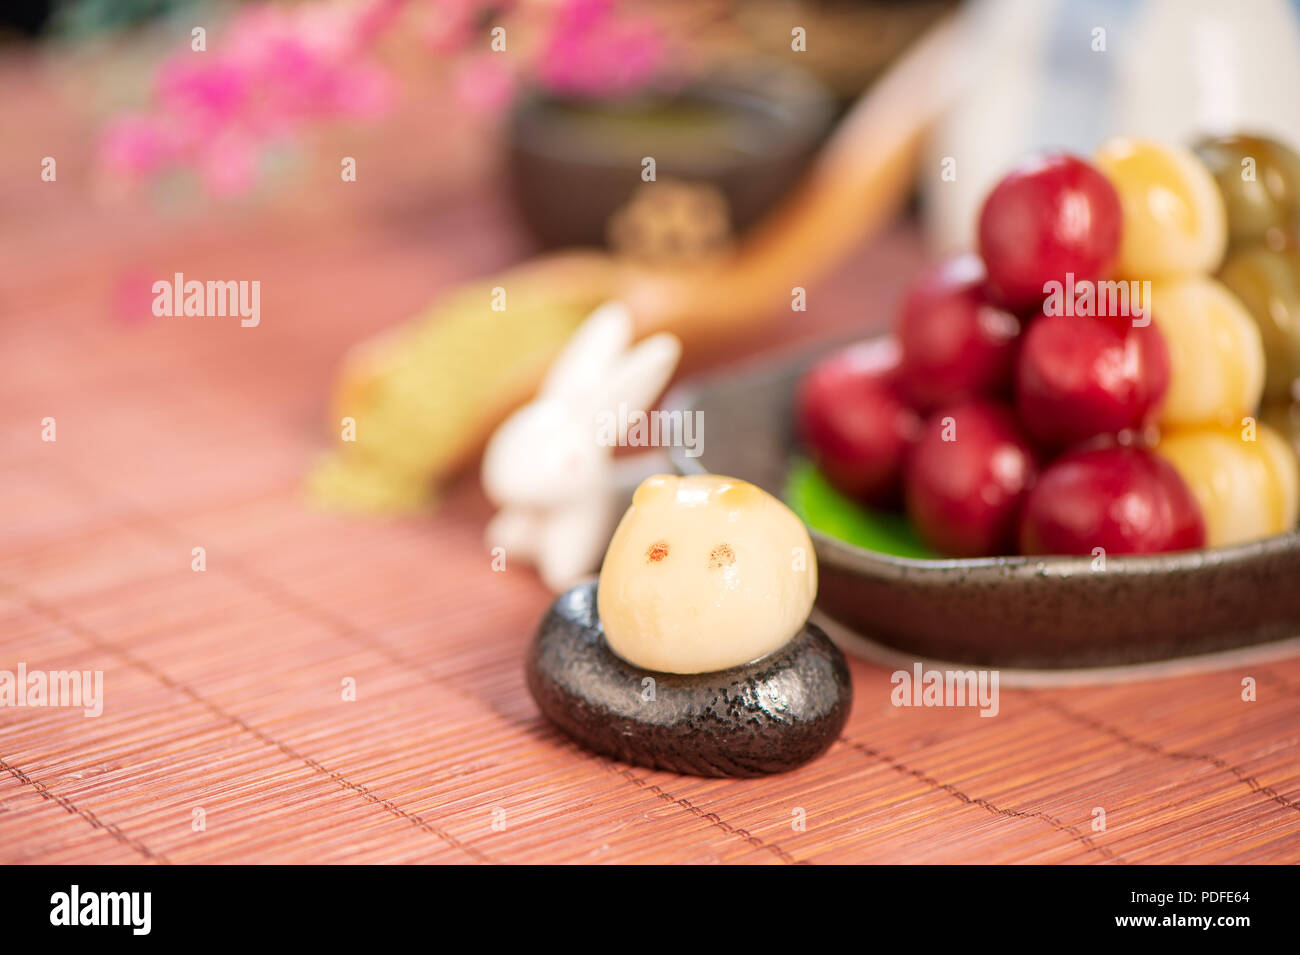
(224, 688)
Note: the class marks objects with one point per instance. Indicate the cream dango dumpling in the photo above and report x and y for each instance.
(704, 573)
(694, 653)
(1245, 479)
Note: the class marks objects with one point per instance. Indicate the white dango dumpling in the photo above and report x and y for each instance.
(704, 573)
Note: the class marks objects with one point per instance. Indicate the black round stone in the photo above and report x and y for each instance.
(768, 716)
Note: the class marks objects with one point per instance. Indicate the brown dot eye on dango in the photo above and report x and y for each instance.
(722, 556)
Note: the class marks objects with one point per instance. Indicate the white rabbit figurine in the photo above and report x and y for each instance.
(555, 483)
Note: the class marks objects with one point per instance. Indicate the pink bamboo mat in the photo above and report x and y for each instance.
(223, 689)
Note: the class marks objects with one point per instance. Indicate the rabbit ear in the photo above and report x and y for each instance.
(593, 349)
(638, 377)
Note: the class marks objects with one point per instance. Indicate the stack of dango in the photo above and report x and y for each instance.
(1260, 182)
(1084, 384)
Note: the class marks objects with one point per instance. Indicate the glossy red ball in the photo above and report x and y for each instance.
(1079, 376)
(956, 344)
(855, 423)
(1110, 500)
(966, 478)
(1052, 216)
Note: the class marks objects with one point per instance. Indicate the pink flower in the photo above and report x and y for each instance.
(212, 87)
(273, 71)
(278, 68)
(135, 146)
(591, 52)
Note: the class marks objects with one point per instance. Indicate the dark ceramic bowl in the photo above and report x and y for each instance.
(748, 133)
(1035, 612)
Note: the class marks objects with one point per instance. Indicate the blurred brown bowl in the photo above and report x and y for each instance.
(747, 133)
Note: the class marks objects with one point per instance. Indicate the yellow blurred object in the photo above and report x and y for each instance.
(1246, 479)
(1216, 355)
(1175, 222)
(418, 397)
